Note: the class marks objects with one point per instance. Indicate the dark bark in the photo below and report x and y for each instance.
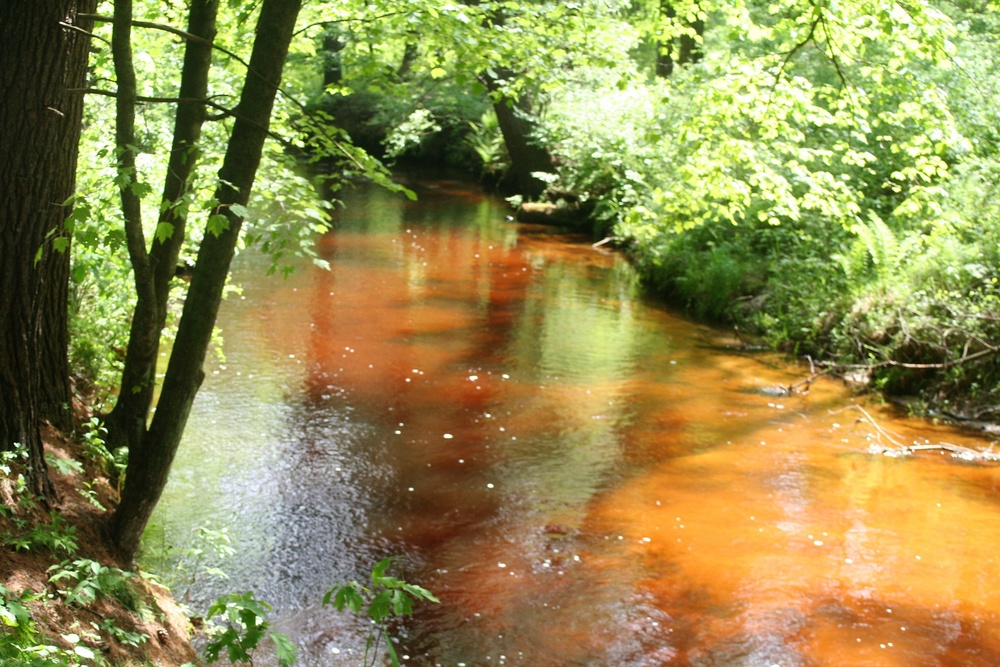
(149, 463)
(127, 421)
(687, 47)
(410, 53)
(142, 341)
(44, 54)
(517, 126)
(333, 68)
(55, 399)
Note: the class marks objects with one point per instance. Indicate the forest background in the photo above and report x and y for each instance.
(821, 175)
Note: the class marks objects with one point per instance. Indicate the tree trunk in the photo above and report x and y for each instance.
(142, 335)
(517, 126)
(44, 50)
(55, 400)
(149, 463)
(127, 421)
(333, 67)
(687, 46)
(410, 53)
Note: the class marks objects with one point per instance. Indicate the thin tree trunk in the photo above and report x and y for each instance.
(517, 125)
(127, 421)
(142, 336)
(43, 48)
(410, 53)
(150, 463)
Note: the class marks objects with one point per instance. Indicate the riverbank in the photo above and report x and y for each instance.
(920, 328)
(64, 598)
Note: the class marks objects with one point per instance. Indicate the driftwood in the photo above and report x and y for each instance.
(895, 447)
(547, 213)
(860, 375)
(561, 208)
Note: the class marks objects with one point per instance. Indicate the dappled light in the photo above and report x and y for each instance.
(581, 476)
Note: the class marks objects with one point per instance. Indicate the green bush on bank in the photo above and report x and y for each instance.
(835, 209)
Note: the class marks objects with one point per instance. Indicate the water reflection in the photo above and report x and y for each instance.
(583, 479)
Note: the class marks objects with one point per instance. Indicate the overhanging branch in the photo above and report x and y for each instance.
(226, 111)
(183, 34)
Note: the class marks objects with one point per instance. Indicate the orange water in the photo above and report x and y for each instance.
(582, 477)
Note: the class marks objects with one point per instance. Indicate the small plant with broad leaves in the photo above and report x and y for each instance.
(89, 581)
(244, 624)
(96, 449)
(23, 645)
(388, 597)
(119, 634)
(14, 482)
(55, 536)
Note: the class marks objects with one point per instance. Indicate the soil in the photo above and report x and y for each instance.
(154, 614)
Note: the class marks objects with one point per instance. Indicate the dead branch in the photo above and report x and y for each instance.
(805, 384)
(896, 447)
(944, 365)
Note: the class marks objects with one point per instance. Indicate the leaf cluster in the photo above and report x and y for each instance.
(245, 624)
(387, 597)
(89, 581)
(55, 536)
(815, 179)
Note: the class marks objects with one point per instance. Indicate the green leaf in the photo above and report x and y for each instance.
(345, 596)
(392, 651)
(164, 231)
(420, 592)
(378, 572)
(217, 223)
(140, 189)
(378, 610)
(284, 649)
(8, 617)
(402, 603)
(84, 652)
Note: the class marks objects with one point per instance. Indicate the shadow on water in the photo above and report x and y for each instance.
(583, 478)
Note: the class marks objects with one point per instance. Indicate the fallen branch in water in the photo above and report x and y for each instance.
(897, 447)
(805, 384)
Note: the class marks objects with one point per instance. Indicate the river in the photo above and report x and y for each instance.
(583, 477)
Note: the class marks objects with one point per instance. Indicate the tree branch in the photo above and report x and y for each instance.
(798, 47)
(944, 365)
(225, 111)
(370, 19)
(833, 56)
(899, 448)
(70, 26)
(156, 100)
(183, 34)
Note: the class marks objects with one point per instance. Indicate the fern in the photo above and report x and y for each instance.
(874, 251)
